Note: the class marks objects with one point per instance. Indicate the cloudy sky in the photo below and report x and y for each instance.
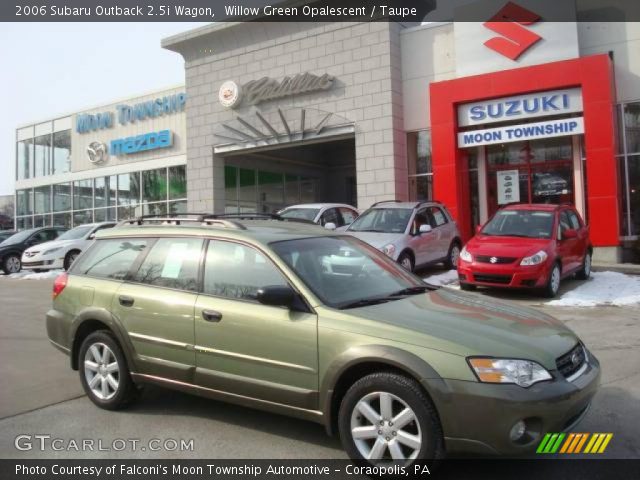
(50, 69)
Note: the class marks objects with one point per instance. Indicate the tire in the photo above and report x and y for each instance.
(553, 283)
(406, 261)
(379, 440)
(11, 264)
(103, 393)
(585, 271)
(453, 255)
(467, 287)
(70, 258)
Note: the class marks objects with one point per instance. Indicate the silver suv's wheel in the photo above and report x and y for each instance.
(103, 371)
(452, 256)
(386, 417)
(384, 426)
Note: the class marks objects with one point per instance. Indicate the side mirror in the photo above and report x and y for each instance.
(92, 236)
(330, 226)
(425, 228)
(569, 233)
(276, 296)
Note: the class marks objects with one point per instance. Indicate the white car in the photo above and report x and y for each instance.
(61, 252)
(338, 214)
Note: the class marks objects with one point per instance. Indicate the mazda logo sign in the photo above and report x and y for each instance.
(97, 153)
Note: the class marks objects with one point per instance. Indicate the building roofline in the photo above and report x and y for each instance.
(100, 105)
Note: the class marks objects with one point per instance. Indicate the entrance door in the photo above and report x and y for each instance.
(539, 171)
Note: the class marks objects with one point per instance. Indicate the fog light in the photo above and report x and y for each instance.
(517, 431)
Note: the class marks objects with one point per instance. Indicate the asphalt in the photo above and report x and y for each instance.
(40, 394)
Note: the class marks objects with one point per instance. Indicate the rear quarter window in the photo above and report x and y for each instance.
(110, 258)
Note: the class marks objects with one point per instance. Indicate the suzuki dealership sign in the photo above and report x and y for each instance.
(501, 44)
(516, 133)
(541, 104)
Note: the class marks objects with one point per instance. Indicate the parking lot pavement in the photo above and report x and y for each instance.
(41, 395)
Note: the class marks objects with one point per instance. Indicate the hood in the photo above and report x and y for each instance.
(466, 324)
(377, 239)
(506, 246)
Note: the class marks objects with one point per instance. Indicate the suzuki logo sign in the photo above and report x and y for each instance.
(515, 38)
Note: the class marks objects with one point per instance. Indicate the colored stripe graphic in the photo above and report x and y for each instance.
(574, 442)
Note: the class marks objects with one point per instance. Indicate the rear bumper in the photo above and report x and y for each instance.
(477, 417)
(505, 276)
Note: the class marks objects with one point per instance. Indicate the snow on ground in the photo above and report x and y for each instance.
(603, 288)
(29, 275)
(448, 279)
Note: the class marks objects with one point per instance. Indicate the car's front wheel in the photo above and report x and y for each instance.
(70, 258)
(386, 417)
(103, 371)
(553, 283)
(12, 264)
(585, 271)
(406, 261)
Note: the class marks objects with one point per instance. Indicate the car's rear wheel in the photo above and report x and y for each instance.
(386, 417)
(103, 371)
(70, 258)
(406, 261)
(12, 264)
(553, 283)
(585, 271)
(452, 256)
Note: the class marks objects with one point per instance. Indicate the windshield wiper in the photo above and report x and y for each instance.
(390, 297)
(364, 302)
(412, 290)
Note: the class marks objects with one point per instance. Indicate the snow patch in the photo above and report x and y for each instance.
(448, 279)
(603, 288)
(28, 275)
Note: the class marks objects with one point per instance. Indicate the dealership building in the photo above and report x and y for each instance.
(273, 114)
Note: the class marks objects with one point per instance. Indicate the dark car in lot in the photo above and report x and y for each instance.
(530, 246)
(12, 248)
(4, 234)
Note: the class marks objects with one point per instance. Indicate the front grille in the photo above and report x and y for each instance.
(32, 264)
(572, 361)
(486, 278)
(496, 261)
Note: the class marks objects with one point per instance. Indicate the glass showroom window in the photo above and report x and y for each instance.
(82, 194)
(42, 155)
(105, 189)
(42, 199)
(629, 126)
(128, 194)
(154, 185)
(420, 165)
(177, 189)
(61, 152)
(25, 158)
(24, 202)
(62, 197)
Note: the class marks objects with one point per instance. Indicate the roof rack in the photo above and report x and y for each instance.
(260, 216)
(179, 219)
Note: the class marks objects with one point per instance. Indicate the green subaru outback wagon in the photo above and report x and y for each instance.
(300, 321)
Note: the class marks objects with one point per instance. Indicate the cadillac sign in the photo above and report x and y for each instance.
(267, 88)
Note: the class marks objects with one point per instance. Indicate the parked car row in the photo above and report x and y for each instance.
(46, 248)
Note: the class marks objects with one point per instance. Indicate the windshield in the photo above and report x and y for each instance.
(304, 213)
(520, 223)
(76, 233)
(345, 272)
(18, 237)
(383, 220)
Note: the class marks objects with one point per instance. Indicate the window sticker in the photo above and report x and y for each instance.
(178, 252)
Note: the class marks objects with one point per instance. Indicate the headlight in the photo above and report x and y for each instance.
(535, 259)
(465, 255)
(53, 250)
(389, 250)
(502, 370)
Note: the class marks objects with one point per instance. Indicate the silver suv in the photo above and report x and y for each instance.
(413, 234)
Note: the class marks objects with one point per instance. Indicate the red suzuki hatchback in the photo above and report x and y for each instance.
(527, 246)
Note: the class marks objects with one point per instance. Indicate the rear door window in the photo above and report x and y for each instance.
(331, 216)
(348, 215)
(110, 258)
(438, 217)
(172, 263)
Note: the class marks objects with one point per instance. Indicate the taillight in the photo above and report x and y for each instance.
(59, 284)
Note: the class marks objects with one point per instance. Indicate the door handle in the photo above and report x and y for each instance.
(126, 301)
(211, 316)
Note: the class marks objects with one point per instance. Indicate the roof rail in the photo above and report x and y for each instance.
(260, 216)
(179, 219)
(385, 201)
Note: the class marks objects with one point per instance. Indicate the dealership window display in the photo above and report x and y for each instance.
(420, 165)
(43, 150)
(107, 198)
(629, 162)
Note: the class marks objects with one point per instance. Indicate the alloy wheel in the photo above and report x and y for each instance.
(587, 265)
(384, 428)
(455, 254)
(555, 279)
(101, 371)
(13, 265)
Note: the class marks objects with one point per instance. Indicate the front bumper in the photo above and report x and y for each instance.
(505, 276)
(477, 417)
(42, 263)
